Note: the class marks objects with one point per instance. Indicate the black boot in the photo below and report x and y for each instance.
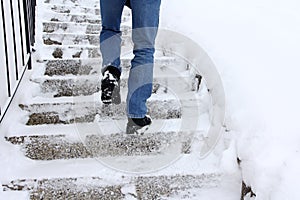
(138, 125)
(110, 86)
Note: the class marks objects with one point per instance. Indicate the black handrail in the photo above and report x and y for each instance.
(18, 20)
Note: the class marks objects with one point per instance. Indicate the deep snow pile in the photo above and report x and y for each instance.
(255, 46)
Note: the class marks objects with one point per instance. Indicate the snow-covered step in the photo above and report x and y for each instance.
(177, 186)
(68, 52)
(78, 28)
(62, 67)
(61, 147)
(71, 39)
(66, 113)
(94, 3)
(73, 9)
(58, 51)
(76, 39)
(83, 10)
(76, 18)
(89, 85)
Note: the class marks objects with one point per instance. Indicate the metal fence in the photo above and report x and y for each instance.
(17, 22)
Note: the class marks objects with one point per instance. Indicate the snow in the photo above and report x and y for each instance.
(14, 195)
(255, 46)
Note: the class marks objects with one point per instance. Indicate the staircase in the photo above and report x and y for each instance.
(75, 146)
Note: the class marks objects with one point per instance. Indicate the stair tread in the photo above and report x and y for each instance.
(63, 8)
(140, 187)
(80, 28)
(51, 147)
(87, 112)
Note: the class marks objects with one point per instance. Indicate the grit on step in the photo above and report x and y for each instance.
(73, 9)
(83, 10)
(89, 85)
(78, 28)
(53, 147)
(62, 67)
(76, 39)
(76, 18)
(66, 113)
(138, 187)
(55, 49)
(94, 3)
(66, 52)
(71, 39)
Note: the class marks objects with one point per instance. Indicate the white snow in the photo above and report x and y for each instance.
(255, 46)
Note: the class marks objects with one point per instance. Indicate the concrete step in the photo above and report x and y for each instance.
(83, 112)
(53, 147)
(50, 16)
(79, 51)
(71, 39)
(76, 18)
(177, 186)
(73, 9)
(78, 28)
(62, 67)
(94, 3)
(89, 85)
(76, 39)
(70, 51)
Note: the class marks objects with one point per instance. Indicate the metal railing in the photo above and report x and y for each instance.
(17, 25)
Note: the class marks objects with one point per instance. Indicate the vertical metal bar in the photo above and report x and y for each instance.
(26, 26)
(33, 20)
(5, 50)
(14, 38)
(27, 32)
(31, 17)
(21, 33)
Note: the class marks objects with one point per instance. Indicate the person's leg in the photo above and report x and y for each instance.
(145, 19)
(110, 46)
(110, 36)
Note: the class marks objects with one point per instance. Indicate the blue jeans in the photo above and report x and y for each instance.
(145, 19)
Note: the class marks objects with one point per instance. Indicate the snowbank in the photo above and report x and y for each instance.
(255, 46)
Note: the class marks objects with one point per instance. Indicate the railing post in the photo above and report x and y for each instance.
(5, 49)
(27, 30)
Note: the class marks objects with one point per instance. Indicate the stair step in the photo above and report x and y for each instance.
(58, 51)
(62, 67)
(76, 18)
(61, 147)
(71, 39)
(68, 52)
(72, 9)
(76, 39)
(84, 3)
(67, 113)
(50, 16)
(78, 28)
(89, 85)
(176, 186)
